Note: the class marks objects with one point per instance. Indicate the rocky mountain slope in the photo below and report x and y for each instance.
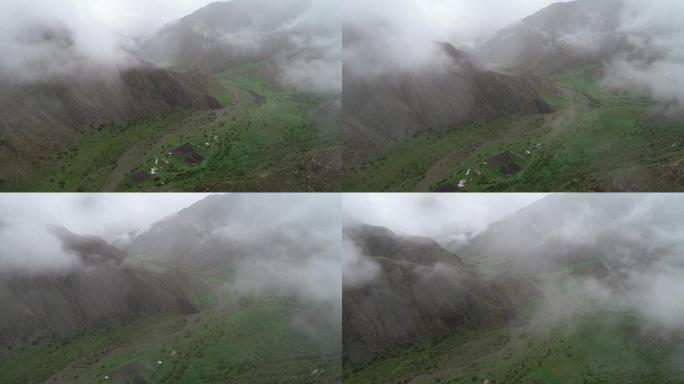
(41, 118)
(419, 291)
(384, 109)
(41, 306)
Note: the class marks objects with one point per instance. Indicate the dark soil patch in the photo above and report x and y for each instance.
(130, 373)
(188, 154)
(505, 164)
(139, 177)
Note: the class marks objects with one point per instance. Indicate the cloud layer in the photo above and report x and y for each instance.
(656, 32)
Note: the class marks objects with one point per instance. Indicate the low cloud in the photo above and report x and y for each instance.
(30, 244)
(316, 35)
(357, 268)
(656, 66)
(434, 215)
(383, 36)
(55, 38)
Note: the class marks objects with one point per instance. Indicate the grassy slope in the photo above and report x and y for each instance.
(240, 340)
(598, 140)
(601, 348)
(262, 141)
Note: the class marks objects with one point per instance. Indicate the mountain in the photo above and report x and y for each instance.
(224, 34)
(419, 291)
(560, 37)
(238, 288)
(42, 118)
(188, 237)
(591, 280)
(251, 86)
(41, 306)
(600, 236)
(381, 110)
(237, 230)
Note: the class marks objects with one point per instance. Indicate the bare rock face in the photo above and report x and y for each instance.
(421, 291)
(381, 110)
(40, 306)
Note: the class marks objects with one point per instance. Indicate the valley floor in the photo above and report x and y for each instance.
(265, 139)
(597, 140)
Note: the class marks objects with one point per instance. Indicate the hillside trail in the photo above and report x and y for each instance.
(246, 101)
(553, 128)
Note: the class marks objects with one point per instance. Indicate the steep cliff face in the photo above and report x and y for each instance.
(381, 110)
(40, 306)
(419, 291)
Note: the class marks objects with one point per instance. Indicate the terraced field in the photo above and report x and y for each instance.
(266, 138)
(596, 140)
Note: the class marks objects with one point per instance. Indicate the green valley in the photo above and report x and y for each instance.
(266, 138)
(597, 139)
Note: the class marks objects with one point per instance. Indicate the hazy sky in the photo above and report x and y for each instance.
(433, 214)
(118, 16)
(442, 19)
(94, 213)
